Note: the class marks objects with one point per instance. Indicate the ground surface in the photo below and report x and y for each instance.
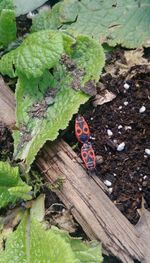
(128, 171)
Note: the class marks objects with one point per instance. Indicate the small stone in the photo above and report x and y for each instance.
(140, 189)
(110, 190)
(99, 159)
(30, 15)
(142, 109)
(91, 118)
(107, 183)
(120, 147)
(109, 132)
(145, 176)
(120, 127)
(115, 141)
(120, 107)
(144, 183)
(147, 151)
(92, 138)
(126, 86)
(128, 128)
(126, 103)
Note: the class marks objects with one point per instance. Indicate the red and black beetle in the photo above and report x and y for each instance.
(88, 156)
(82, 130)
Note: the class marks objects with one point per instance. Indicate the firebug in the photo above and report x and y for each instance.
(88, 156)
(82, 130)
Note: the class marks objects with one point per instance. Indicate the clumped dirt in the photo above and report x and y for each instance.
(23, 25)
(6, 143)
(128, 170)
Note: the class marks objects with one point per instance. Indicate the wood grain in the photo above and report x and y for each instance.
(91, 207)
(7, 104)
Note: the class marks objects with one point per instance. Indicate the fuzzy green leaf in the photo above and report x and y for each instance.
(32, 243)
(11, 186)
(24, 6)
(6, 4)
(39, 51)
(109, 21)
(47, 19)
(40, 116)
(7, 27)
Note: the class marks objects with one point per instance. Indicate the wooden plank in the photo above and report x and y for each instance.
(85, 195)
(7, 104)
(91, 207)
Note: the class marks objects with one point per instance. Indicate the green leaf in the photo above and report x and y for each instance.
(7, 27)
(39, 51)
(47, 19)
(24, 6)
(109, 21)
(41, 115)
(32, 243)
(6, 4)
(11, 186)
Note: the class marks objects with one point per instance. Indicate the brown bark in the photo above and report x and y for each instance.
(84, 194)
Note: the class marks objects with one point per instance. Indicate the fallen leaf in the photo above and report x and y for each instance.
(104, 97)
(65, 221)
(143, 228)
(7, 224)
(126, 66)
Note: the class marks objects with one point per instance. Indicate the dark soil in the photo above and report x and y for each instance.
(127, 170)
(6, 143)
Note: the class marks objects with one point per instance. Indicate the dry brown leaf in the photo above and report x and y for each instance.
(65, 221)
(143, 228)
(132, 58)
(104, 97)
(7, 224)
(135, 57)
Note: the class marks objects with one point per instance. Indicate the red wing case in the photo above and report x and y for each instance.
(88, 156)
(82, 130)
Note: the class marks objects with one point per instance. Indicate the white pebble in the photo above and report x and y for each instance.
(120, 107)
(109, 132)
(147, 151)
(140, 189)
(30, 15)
(92, 118)
(110, 190)
(120, 127)
(92, 138)
(126, 86)
(115, 141)
(142, 109)
(126, 103)
(120, 147)
(108, 183)
(128, 128)
(145, 176)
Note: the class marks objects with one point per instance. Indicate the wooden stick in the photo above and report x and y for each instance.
(86, 196)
